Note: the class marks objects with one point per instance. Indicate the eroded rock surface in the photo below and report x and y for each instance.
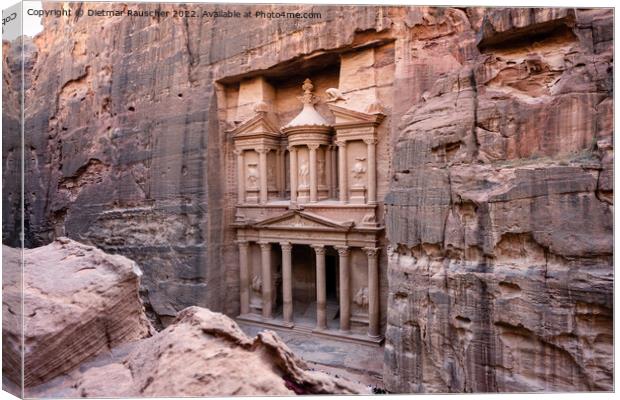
(500, 213)
(77, 303)
(201, 354)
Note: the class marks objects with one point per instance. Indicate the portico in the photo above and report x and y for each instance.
(299, 228)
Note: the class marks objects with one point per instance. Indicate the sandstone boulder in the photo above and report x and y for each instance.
(77, 302)
(202, 353)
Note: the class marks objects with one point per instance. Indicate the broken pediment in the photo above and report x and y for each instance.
(347, 117)
(261, 124)
(295, 219)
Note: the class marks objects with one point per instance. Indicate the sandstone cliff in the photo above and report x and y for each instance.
(500, 213)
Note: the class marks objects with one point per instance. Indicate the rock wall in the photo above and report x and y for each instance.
(500, 213)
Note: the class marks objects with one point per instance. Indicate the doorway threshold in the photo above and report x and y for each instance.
(334, 334)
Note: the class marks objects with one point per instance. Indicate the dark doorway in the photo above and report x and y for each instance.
(331, 277)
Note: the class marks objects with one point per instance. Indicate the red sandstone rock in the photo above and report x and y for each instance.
(201, 354)
(500, 215)
(78, 302)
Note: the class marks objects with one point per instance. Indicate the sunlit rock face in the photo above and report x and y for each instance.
(78, 302)
(500, 212)
(494, 172)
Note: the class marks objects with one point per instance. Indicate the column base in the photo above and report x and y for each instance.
(262, 321)
(278, 324)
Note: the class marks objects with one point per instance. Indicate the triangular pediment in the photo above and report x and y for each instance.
(295, 219)
(260, 124)
(346, 116)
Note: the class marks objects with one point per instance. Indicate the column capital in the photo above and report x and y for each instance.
(371, 251)
(238, 151)
(340, 143)
(262, 150)
(319, 249)
(313, 146)
(291, 148)
(343, 250)
(264, 245)
(371, 141)
(286, 246)
(242, 243)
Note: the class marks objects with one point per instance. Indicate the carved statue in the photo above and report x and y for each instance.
(303, 174)
(252, 176)
(369, 218)
(361, 297)
(257, 283)
(271, 177)
(321, 171)
(334, 94)
(359, 170)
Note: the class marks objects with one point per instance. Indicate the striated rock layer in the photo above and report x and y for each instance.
(78, 303)
(202, 353)
(500, 213)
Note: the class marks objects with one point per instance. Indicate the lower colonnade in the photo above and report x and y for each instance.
(345, 295)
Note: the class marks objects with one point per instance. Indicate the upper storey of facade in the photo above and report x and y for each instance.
(310, 142)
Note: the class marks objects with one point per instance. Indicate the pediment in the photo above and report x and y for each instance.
(346, 116)
(260, 124)
(302, 220)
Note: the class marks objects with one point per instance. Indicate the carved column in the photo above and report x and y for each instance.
(313, 177)
(282, 169)
(342, 170)
(372, 170)
(321, 294)
(244, 277)
(265, 249)
(328, 171)
(373, 291)
(293, 173)
(240, 177)
(278, 171)
(345, 287)
(334, 172)
(262, 165)
(287, 281)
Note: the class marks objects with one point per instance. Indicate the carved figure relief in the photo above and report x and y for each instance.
(304, 171)
(297, 222)
(361, 297)
(369, 219)
(359, 170)
(271, 177)
(252, 176)
(334, 94)
(321, 171)
(257, 283)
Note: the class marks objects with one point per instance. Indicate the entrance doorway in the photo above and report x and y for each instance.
(303, 261)
(303, 264)
(332, 288)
